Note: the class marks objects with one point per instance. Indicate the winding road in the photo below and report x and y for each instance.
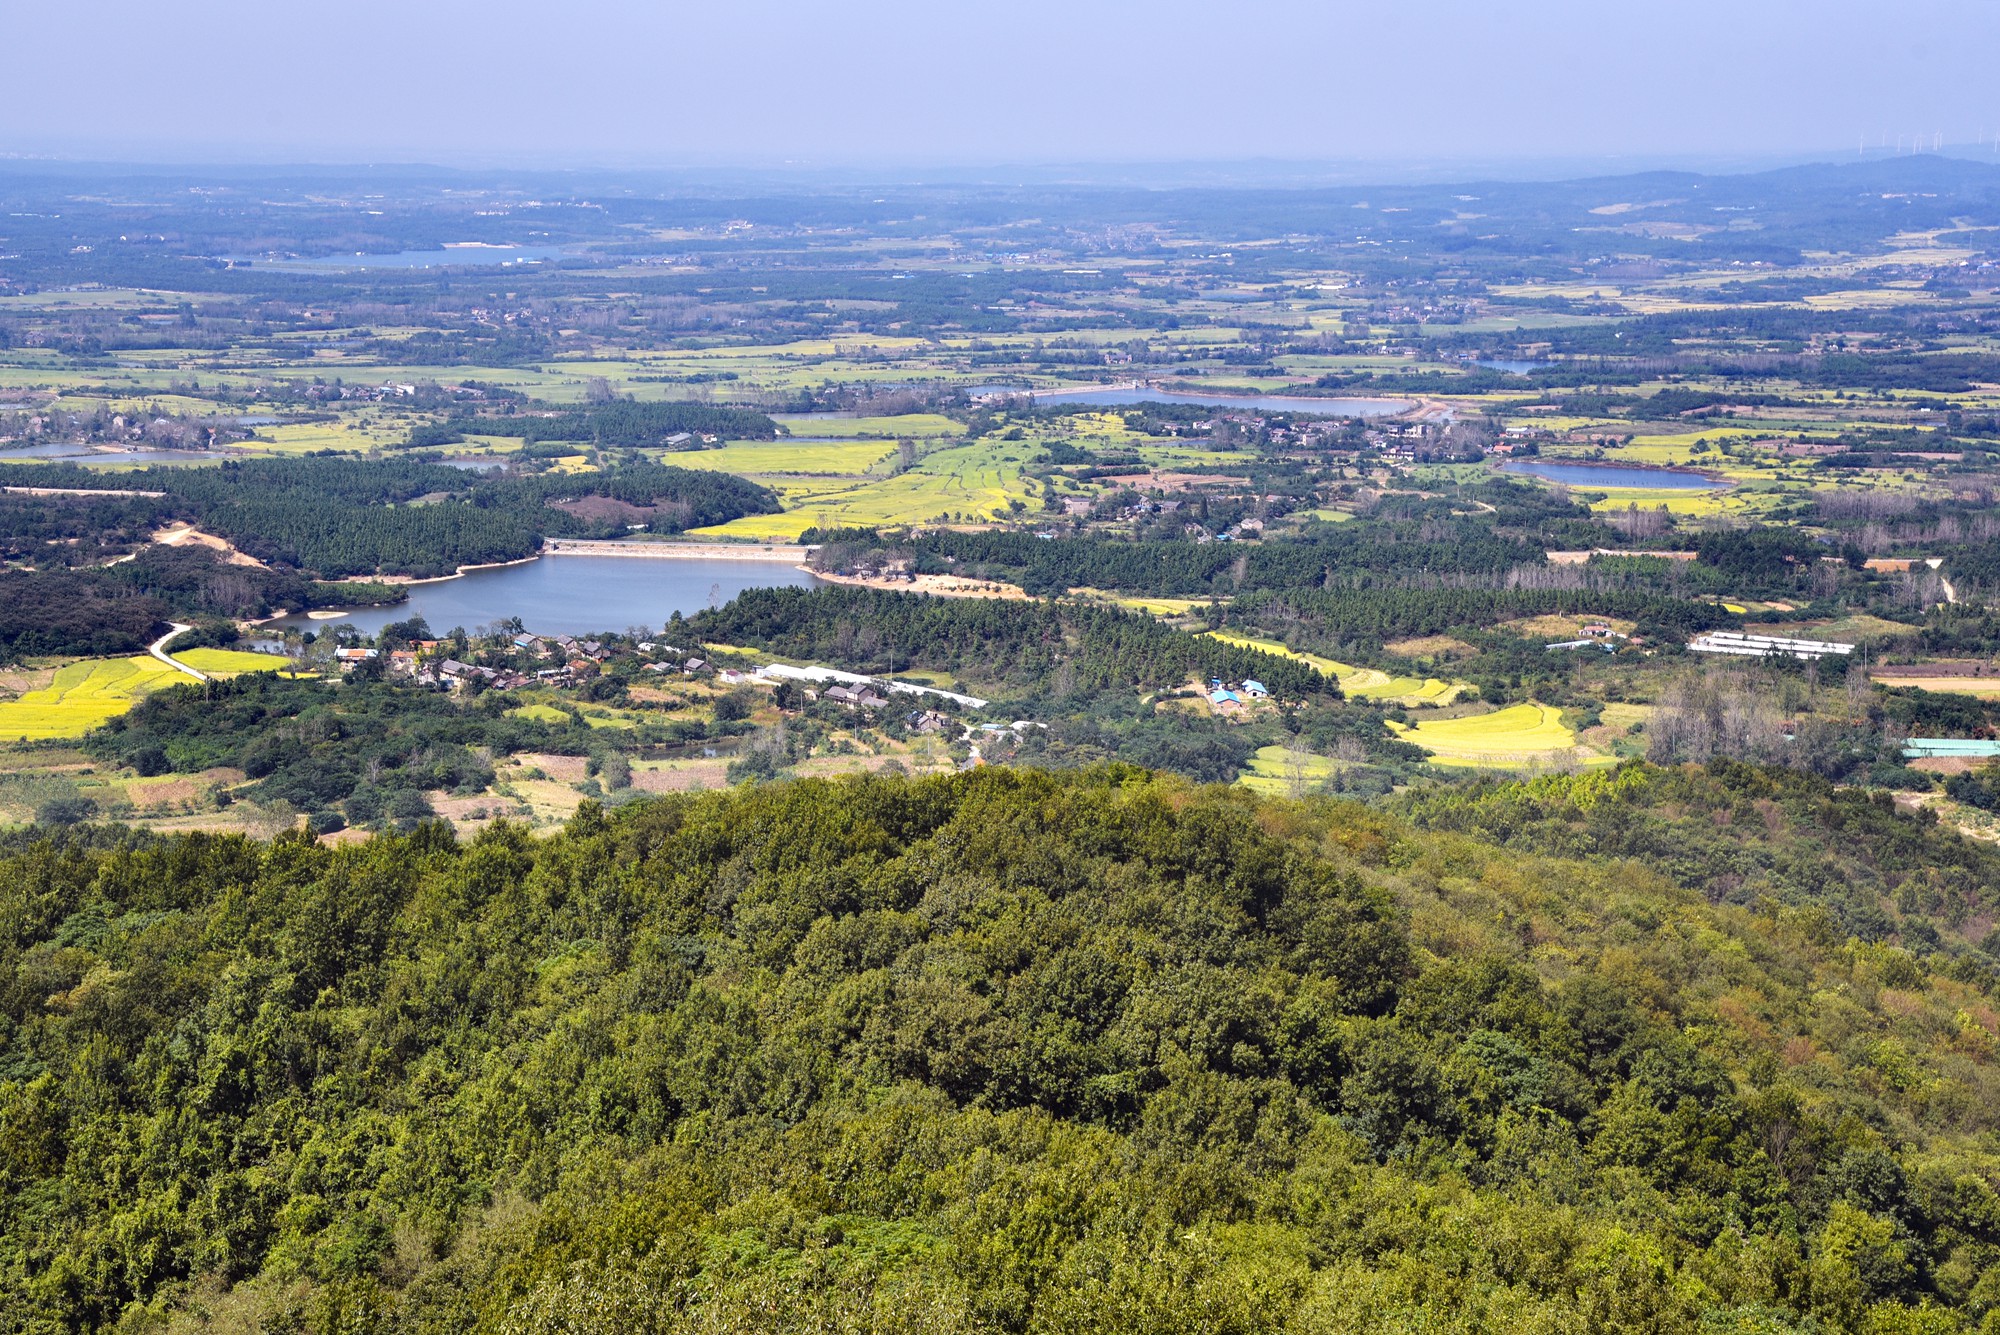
(158, 649)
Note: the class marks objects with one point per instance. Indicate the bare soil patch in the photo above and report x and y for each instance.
(187, 535)
(1175, 481)
(685, 776)
(563, 769)
(1430, 646)
(943, 586)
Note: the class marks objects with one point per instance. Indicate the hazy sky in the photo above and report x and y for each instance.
(933, 82)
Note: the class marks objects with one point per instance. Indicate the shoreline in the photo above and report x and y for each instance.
(788, 552)
(937, 586)
(405, 581)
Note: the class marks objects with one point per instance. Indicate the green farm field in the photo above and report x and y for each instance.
(914, 425)
(966, 483)
(752, 458)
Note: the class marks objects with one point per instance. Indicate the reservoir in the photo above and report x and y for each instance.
(1613, 476)
(89, 458)
(573, 595)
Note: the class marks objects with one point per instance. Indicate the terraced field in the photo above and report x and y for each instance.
(1279, 771)
(1517, 735)
(86, 693)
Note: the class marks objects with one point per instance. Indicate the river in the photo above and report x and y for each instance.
(573, 595)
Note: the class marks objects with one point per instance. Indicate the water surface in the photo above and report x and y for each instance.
(574, 595)
(1613, 475)
(448, 256)
(83, 454)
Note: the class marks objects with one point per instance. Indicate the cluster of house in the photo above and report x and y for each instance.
(1596, 636)
(424, 666)
(341, 392)
(572, 659)
(568, 660)
(855, 697)
(1227, 699)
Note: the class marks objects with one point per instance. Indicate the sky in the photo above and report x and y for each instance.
(902, 83)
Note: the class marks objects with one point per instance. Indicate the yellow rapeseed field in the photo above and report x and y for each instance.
(86, 693)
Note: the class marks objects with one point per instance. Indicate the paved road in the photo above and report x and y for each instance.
(158, 649)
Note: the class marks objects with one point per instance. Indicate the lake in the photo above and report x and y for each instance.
(1270, 403)
(1612, 475)
(83, 454)
(412, 259)
(573, 595)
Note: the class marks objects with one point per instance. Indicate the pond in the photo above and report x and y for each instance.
(573, 595)
(1614, 476)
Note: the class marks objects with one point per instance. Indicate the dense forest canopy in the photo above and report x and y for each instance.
(997, 1052)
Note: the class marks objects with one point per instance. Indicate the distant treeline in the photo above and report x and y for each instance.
(1378, 614)
(624, 424)
(338, 517)
(1051, 649)
(1187, 569)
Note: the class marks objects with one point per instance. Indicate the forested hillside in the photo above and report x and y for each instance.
(1003, 1051)
(341, 517)
(1032, 647)
(116, 609)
